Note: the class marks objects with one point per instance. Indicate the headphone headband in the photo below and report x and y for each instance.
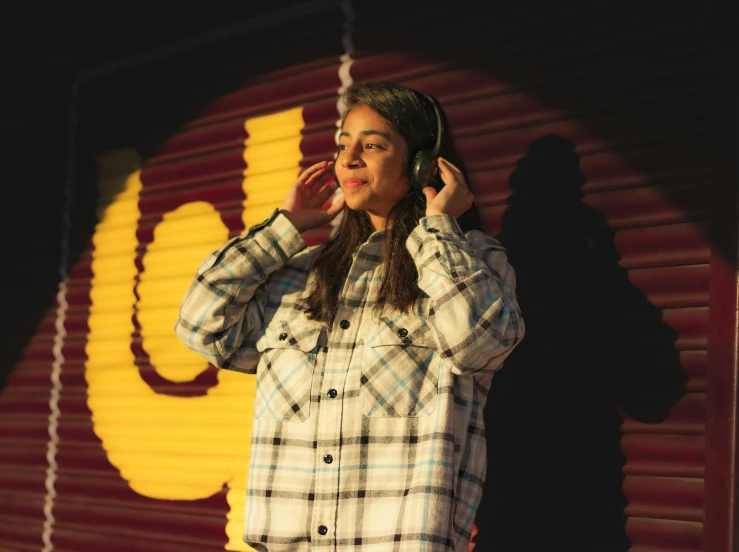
(425, 162)
(439, 125)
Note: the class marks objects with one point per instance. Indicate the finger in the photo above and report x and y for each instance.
(453, 169)
(328, 190)
(336, 208)
(318, 179)
(453, 179)
(449, 164)
(307, 173)
(449, 178)
(430, 194)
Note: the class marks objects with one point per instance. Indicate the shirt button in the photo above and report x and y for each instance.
(328, 459)
(283, 336)
(322, 529)
(402, 332)
(344, 324)
(332, 393)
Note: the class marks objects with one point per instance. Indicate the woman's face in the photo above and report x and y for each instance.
(371, 164)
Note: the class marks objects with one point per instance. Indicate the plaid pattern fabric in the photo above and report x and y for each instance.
(369, 436)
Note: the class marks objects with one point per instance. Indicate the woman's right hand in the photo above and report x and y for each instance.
(303, 205)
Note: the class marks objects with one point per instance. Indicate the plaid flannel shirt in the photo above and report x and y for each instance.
(369, 436)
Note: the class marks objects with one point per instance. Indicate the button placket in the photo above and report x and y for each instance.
(330, 410)
(333, 386)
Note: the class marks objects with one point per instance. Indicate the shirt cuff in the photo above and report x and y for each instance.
(279, 231)
(444, 224)
(430, 230)
(276, 236)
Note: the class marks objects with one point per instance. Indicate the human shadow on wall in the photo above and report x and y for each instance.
(594, 347)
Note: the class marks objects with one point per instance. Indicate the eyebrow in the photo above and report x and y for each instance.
(370, 133)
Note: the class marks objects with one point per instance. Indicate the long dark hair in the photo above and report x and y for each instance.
(412, 116)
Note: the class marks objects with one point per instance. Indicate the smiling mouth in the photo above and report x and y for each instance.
(353, 183)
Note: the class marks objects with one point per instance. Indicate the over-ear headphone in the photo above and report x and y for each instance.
(425, 161)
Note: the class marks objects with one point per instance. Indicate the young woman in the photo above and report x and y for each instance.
(373, 352)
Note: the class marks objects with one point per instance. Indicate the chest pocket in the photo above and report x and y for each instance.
(288, 356)
(400, 375)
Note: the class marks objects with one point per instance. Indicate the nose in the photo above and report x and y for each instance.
(351, 157)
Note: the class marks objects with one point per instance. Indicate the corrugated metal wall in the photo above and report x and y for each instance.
(589, 151)
(587, 146)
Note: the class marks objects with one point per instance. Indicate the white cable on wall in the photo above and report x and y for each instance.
(345, 76)
(60, 333)
(346, 80)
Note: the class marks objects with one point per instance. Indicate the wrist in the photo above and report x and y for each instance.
(289, 216)
(433, 213)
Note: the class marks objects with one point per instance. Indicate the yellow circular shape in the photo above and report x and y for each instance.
(183, 238)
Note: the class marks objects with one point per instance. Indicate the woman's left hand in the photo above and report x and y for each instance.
(454, 198)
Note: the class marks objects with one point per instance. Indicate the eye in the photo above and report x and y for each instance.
(373, 146)
(341, 147)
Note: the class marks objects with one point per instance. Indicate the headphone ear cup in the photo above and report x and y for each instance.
(423, 163)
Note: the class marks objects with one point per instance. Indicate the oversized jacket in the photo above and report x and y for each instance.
(369, 435)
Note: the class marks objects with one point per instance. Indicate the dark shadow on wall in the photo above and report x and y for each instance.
(595, 347)
(30, 211)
